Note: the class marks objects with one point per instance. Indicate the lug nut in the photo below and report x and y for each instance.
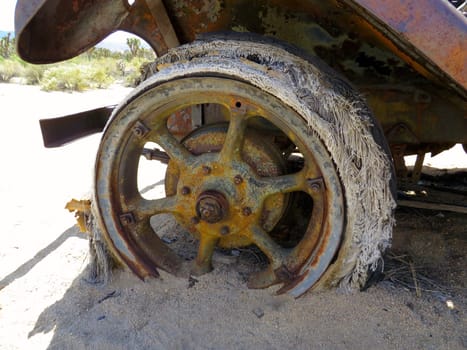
(140, 130)
(127, 219)
(225, 230)
(238, 179)
(195, 220)
(246, 211)
(185, 190)
(206, 170)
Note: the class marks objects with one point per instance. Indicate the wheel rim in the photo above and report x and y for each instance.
(217, 196)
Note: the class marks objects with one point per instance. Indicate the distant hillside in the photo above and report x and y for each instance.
(117, 42)
(113, 45)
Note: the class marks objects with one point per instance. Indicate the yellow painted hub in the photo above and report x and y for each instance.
(226, 189)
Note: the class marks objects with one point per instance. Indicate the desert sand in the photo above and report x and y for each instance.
(46, 303)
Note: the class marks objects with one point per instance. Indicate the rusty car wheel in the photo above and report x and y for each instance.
(261, 174)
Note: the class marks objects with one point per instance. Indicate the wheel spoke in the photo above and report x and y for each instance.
(155, 249)
(232, 148)
(266, 244)
(174, 149)
(282, 184)
(203, 261)
(145, 208)
(313, 233)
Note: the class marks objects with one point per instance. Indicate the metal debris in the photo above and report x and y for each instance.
(82, 209)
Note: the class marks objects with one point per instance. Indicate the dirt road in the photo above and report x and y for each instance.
(46, 303)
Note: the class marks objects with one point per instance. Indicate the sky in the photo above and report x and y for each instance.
(7, 15)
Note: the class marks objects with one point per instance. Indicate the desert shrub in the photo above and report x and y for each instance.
(33, 73)
(10, 68)
(64, 78)
(110, 66)
(71, 76)
(97, 68)
(99, 77)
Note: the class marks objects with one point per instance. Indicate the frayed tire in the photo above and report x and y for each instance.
(345, 181)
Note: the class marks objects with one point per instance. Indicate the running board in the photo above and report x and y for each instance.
(59, 131)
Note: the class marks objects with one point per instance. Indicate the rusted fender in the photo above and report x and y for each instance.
(49, 31)
(431, 37)
(431, 33)
(53, 30)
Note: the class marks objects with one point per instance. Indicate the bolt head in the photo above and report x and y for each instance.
(315, 187)
(206, 170)
(185, 190)
(238, 179)
(127, 219)
(246, 211)
(140, 129)
(209, 210)
(225, 230)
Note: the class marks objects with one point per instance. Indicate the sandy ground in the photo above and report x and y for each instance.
(45, 302)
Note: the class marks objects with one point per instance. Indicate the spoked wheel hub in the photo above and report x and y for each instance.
(222, 194)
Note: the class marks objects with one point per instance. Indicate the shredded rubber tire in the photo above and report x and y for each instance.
(335, 113)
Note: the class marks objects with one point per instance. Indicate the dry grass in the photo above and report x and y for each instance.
(401, 270)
